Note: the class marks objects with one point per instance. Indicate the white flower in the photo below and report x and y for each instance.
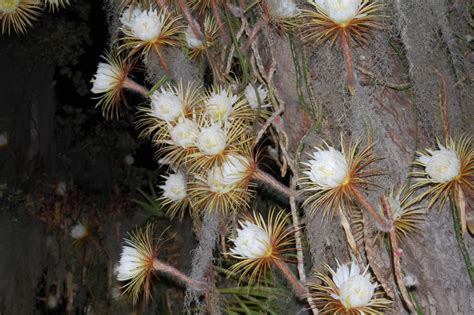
(3, 139)
(184, 133)
(355, 288)
(340, 11)
(222, 179)
(251, 96)
(329, 168)
(147, 25)
(252, 242)
(212, 140)
(106, 78)
(166, 105)
(282, 8)
(79, 231)
(175, 187)
(219, 105)
(129, 159)
(442, 166)
(8, 6)
(129, 14)
(132, 263)
(52, 302)
(191, 39)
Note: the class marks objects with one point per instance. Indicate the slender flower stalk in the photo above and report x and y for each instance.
(345, 19)
(269, 180)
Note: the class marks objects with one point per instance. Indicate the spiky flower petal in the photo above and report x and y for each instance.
(252, 242)
(212, 140)
(197, 43)
(256, 96)
(17, 15)
(234, 170)
(259, 244)
(136, 263)
(331, 177)
(445, 171)
(348, 291)
(109, 82)
(56, 4)
(441, 165)
(329, 168)
(340, 11)
(185, 133)
(149, 30)
(331, 19)
(166, 105)
(175, 187)
(219, 105)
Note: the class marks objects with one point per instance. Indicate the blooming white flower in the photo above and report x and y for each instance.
(106, 78)
(129, 14)
(9, 6)
(184, 133)
(3, 139)
(191, 39)
(222, 179)
(355, 288)
(252, 242)
(166, 105)
(442, 166)
(129, 159)
(252, 98)
(79, 231)
(212, 140)
(219, 105)
(329, 168)
(147, 25)
(175, 187)
(132, 263)
(282, 8)
(340, 11)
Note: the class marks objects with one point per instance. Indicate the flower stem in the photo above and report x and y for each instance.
(398, 271)
(267, 179)
(346, 50)
(382, 223)
(163, 63)
(134, 86)
(298, 288)
(299, 247)
(177, 275)
(460, 240)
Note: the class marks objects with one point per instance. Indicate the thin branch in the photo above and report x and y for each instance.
(382, 224)
(175, 274)
(299, 290)
(443, 103)
(269, 180)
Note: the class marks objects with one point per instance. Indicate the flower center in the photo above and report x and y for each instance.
(9, 6)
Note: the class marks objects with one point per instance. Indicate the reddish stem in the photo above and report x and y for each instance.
(265, 178)
(346, 50)
(382, 223)
(134, 86)
(398, 271)
(298, 288)
(177, 275)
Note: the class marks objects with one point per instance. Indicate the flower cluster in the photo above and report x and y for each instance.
(206, 135)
